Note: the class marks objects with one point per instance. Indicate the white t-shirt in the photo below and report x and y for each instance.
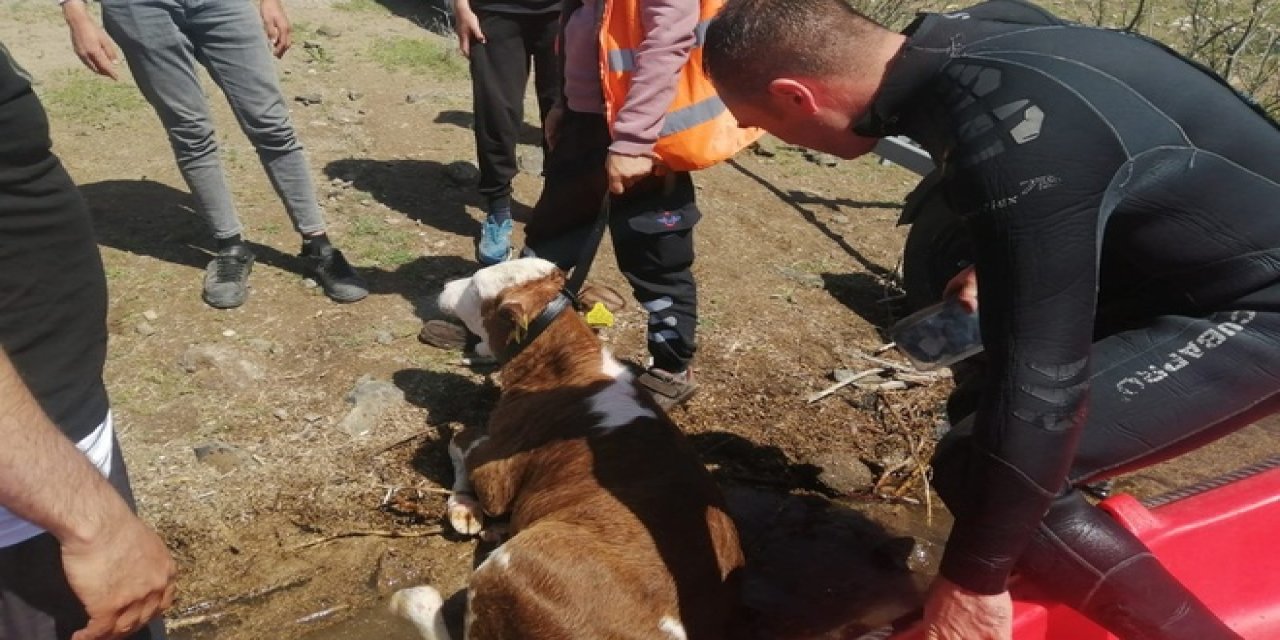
(97, 447)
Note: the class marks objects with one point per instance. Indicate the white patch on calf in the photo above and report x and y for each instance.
(614, 369)
(672, 628)
(616, 405)
(490, 282)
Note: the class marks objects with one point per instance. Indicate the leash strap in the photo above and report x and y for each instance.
(579, 276)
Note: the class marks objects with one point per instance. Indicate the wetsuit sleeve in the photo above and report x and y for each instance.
(1035, 235)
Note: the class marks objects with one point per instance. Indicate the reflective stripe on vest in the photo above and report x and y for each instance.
(624, 60)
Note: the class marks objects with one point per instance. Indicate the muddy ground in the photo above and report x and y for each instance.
(294, 510)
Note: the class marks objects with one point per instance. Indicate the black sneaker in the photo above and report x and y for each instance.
(336, 276)
(226, 279)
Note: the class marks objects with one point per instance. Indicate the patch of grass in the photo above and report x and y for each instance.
(361, 6)
(423, 56)
(375, 243)
(78, 95)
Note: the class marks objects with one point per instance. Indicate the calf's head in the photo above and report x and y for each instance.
(498, 302)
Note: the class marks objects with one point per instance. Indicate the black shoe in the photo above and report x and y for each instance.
(226, 279)
(336, 276)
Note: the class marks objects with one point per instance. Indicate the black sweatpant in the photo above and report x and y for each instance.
(36, 603)
(651, 225)
(499, 72)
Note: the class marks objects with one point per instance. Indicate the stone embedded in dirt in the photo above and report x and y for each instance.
(384, 337)
(151, 316)
(530, 160)
(221, 366)
(280, 414)
(462, 173)
(309, 98)
(909, 553)
(371, 398)
(328, 31)
(228, 333)
(414, 98)
(144, 329)
(224, 458)
(844, 472)
(840, 218)
(354, 95)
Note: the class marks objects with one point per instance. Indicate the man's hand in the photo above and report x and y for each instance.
(625, 171)
(279, 32)
(91, 43)
(123, 575)
(953, 613)
(468, 27)
(964, 288)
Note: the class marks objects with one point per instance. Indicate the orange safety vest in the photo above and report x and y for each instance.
(699, 130)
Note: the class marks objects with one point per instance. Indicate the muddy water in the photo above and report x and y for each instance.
(816, 569)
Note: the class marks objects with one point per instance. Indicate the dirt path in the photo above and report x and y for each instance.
(237, 423)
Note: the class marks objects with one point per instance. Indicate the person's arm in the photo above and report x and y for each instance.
(117, 566)
(90, 42)
(669, 27)
(276, 22)
(468, 26)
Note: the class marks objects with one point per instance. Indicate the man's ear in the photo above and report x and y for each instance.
(796, 95)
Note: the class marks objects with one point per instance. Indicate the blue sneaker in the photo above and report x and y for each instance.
(495, 241)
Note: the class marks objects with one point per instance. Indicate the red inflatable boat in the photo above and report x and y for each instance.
(1216, 538)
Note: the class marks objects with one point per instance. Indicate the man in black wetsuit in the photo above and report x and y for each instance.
(1123, 207)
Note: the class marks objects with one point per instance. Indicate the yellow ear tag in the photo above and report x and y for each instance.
(599, 317)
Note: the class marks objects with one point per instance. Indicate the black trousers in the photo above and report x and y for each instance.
(1160, 386)
(499, 72)
(651, 225)
(36, 603)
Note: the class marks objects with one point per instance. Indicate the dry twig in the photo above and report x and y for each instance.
(380, 533)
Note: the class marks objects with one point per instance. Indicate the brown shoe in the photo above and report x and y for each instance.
(443, 334)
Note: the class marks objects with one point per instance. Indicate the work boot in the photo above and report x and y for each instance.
(335, 275)
(669, 389)
(226, 279)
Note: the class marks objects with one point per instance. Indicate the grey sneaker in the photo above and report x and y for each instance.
(335, 275)
(226, 279)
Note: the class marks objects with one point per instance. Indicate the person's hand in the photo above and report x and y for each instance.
(625, 171)
(468, 27)
(90, 42)
(279, 31)
(123, 575)
(954, 613)
(551, 124)
(964, 289)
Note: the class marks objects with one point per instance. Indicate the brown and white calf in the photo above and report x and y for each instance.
(617, 530)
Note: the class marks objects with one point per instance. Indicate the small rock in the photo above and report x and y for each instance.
(328, 32)
(223, 457)
(821, 159)
(371, 398)
(280, 414)
(312, 417)
(229, 333)
(309, 98)
(840, 218)
(462, 173)
(844, 472)
(150, 315)
(414, 98)
(530, 160)
(310, 283)
(354, 95)
(145, 329)
(384, 337)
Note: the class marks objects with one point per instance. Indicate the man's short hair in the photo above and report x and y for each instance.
(752, 42)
